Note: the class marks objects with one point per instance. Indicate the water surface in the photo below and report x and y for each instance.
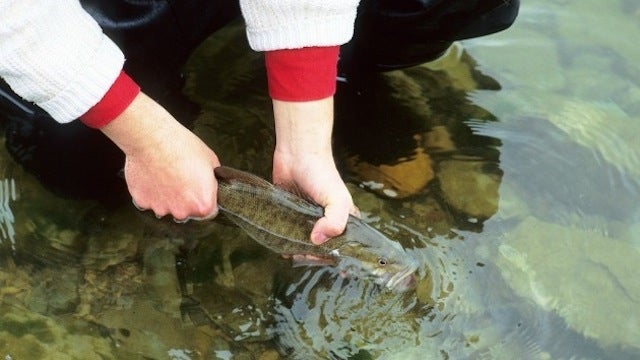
(509, 168)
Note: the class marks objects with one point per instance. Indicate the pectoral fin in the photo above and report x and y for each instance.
(310, 260)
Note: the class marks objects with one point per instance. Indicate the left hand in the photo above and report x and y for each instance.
(303, 158)
(168, 169)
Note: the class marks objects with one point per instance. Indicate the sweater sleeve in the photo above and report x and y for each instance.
(54, 54)
(293, 24)
(302, 74)
(301, 39)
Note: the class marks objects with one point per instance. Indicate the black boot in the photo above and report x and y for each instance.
(395, 34)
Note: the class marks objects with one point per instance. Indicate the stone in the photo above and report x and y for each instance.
(56, 293)
(269, 355)
(605, 128)
(438, 139)
(590, 280)
(405, 178)
(468, 188)
(27, 335)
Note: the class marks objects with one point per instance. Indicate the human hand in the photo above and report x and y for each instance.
(303, 159)
(168, 169)
(317, 177)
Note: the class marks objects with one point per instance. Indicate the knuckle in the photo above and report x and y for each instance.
(333, 228)
(160, 213)
(180, 215)
(204, 208)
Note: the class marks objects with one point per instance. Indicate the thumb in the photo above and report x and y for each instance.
(332, 223)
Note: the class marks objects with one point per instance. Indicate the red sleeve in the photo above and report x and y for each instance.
(302, 74)
(113, 103)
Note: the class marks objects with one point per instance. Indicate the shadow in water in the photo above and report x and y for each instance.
(404, 135)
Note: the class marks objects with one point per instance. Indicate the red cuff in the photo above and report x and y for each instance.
(113, 103)
(302, 74)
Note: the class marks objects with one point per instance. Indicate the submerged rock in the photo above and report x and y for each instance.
(604, 128)
(405, 178)
(27, 335)
(586, 278)
(56, 292)
(439, 139)
(468, 188)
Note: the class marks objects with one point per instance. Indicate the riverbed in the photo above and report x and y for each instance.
(509, 168)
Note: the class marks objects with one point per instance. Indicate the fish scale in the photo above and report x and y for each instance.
(283, 221)
(267, 211)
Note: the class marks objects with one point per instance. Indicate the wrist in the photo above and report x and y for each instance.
(303, 129)
(141, 126)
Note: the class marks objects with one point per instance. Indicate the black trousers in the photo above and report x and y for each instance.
(157, 37)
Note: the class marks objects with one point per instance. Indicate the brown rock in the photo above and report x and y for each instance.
(405, 178)
(469, 189)
(438, 139)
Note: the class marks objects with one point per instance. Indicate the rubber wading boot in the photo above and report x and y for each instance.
(395, 34)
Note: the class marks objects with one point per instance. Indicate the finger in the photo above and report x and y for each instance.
(140, 208)
(181, 221)
(212, 215)
(318, 234)
(210, 207)
(156, 213)
(331, 224)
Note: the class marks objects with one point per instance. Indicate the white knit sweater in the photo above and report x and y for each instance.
(292, 24)
(55, 55)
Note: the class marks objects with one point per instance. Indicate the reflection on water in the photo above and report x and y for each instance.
(509, 168)
(7, 196)
(322, 312)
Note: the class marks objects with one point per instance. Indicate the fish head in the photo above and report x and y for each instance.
(366, 252)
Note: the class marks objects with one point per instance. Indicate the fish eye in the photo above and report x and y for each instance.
(382, 261)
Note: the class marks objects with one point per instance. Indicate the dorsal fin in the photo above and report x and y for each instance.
(228, 175)
(294, 189)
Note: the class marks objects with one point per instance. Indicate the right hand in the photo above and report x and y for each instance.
(303, 158)
(316, 175)
(168, 169)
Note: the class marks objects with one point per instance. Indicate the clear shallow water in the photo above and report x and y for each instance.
(509, 168)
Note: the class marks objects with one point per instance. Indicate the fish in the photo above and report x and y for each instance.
(282, 221)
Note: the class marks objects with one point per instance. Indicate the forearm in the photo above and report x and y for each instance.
(54, 54)
(141, 126)
(303, 159)
(303, 128)
(301, 39)
(302, 83)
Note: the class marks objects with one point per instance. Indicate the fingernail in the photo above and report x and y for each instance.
(318, 238)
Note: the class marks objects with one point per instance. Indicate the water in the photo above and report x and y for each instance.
(509, 168)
